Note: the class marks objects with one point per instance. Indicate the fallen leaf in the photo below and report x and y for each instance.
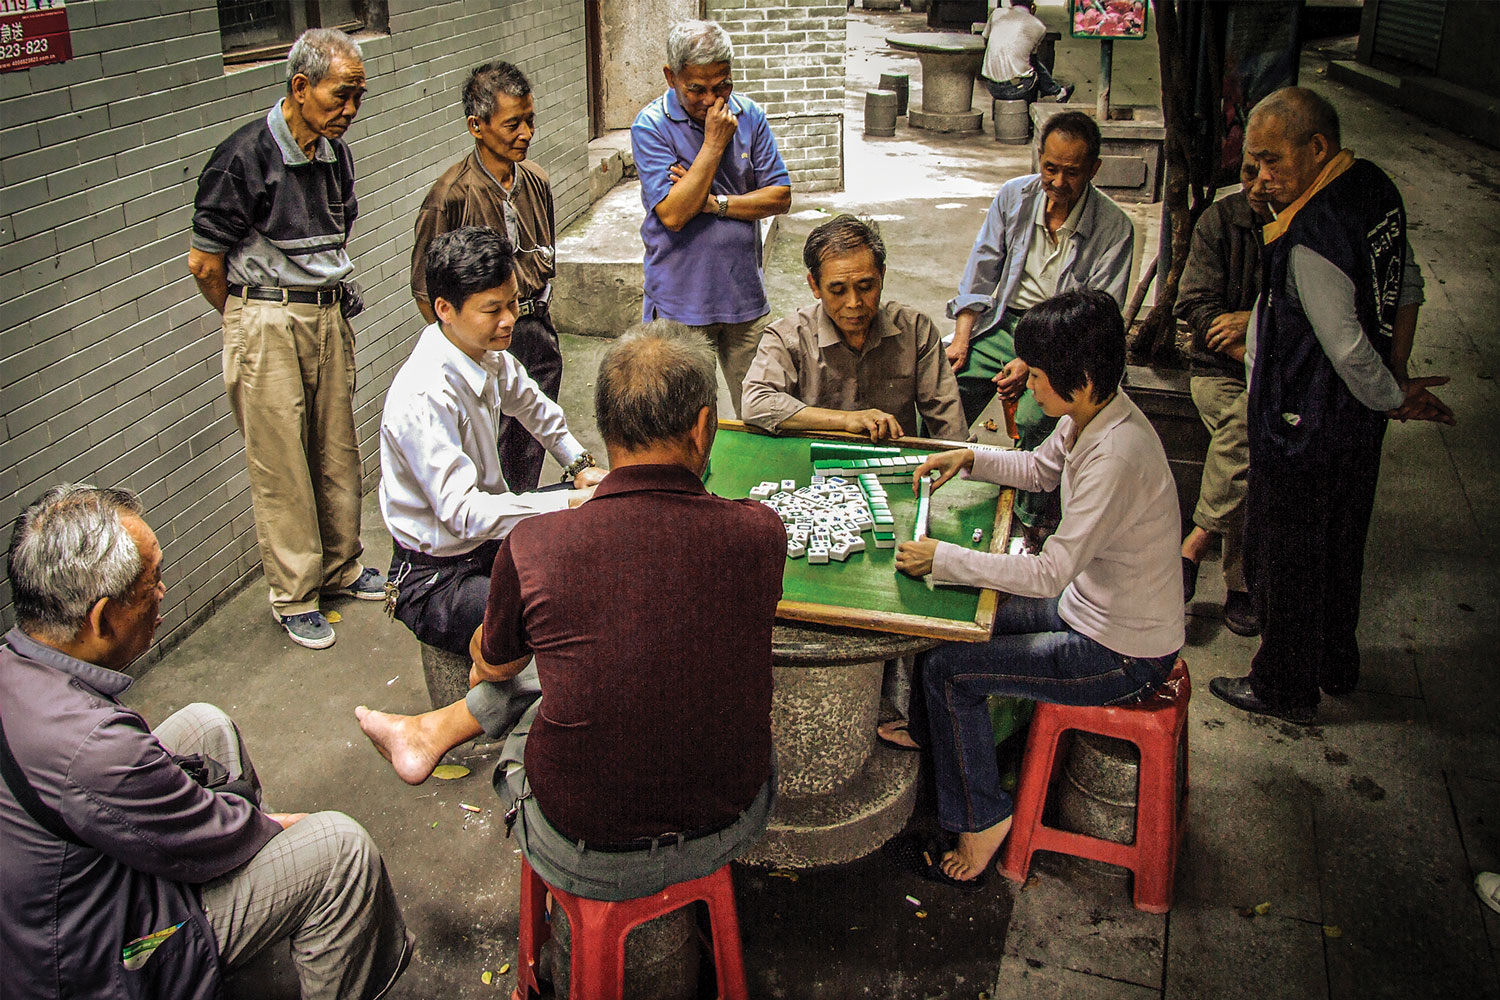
(333, 617)
(921, 914)
(486, 977)
(1333, 931)
(1261, 909)
(504, 968)
(447, 772)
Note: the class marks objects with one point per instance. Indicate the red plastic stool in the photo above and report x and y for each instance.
(599, 930)
(1157, 726)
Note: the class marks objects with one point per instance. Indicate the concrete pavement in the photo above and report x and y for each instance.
(1362, 833)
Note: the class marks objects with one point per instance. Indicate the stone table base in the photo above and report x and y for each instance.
(840, 794)
(967, 121)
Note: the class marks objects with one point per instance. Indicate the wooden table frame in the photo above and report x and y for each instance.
(899, 622)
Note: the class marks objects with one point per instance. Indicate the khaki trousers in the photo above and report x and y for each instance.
(736, 344)
(1221, 403)
(289, 369)
(321, 883)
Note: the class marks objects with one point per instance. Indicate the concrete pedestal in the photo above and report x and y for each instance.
(950, 64)
(447, 675)
(841, 794)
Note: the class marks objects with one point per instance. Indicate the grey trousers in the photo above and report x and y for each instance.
(1221, 494)
(320, 883)
(736, 344)
(609, 876)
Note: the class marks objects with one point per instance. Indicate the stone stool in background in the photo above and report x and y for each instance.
(901, 84)
(599, 930)
(880, 112)
(1012, 122)
(1158, 727)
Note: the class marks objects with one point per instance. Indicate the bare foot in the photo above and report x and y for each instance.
(404, 741)
(974, 851)
(896, 732)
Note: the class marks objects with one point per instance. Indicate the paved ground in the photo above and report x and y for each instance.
(1362, 833)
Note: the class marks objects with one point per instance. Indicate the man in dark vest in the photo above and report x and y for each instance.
(1327, 350)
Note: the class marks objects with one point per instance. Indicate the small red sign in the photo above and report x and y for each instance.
(32, 33)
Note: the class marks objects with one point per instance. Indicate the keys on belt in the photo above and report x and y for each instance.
(307, 296)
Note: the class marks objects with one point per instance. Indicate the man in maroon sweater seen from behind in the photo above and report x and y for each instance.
(648, 759)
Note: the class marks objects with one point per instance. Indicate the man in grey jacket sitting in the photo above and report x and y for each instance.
(140, 863)
(1045, 233)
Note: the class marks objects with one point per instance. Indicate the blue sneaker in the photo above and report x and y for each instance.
(309, 629)
(370, 586)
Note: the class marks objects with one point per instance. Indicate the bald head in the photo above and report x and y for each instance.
(654, 383)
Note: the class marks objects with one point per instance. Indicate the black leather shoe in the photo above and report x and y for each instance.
(1236, 691)
(1239, 614)
(1189, 579)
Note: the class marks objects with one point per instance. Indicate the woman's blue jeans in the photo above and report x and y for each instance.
(1032, 654)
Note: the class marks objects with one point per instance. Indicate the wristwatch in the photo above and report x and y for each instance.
(723, 209)
(583, 461)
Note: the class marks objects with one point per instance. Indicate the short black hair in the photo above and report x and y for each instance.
(1073, 123)
(838, 236)
(487, 80)
(1076, 338)
(467, 261)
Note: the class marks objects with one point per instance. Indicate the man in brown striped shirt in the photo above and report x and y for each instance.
(497, 186)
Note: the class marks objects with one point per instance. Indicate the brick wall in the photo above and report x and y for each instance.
(109, 358)
(789, 57)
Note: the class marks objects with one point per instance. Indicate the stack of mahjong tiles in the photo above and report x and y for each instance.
(825, 519)
(851, 460)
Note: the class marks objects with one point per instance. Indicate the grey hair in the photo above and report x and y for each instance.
(1303, 114)
(652, 383)
(488, 80)
(69, 550)
(315, 50)
(697, 43)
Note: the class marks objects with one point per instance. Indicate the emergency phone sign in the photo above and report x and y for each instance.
(33, 33)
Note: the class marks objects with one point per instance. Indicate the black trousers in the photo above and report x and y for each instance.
(533, 343)
(442, 600)
(1306, 521)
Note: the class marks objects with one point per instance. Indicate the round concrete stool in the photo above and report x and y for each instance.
(447, 675)
(882, 4)
(661, 957)
(880, 112)
(840, 794)
(1012, 122)
(901, 84)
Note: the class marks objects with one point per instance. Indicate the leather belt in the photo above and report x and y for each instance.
(307, 296)
(649, 843)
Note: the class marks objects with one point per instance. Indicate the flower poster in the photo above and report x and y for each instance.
(1112, 19)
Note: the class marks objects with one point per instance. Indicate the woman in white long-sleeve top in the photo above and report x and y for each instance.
(1096, 617)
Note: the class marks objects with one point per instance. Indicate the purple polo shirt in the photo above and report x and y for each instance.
(709, 271)
(649, 611)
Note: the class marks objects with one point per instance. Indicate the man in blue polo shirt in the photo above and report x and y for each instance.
(709, 172)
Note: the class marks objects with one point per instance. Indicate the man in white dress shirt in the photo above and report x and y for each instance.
(442, 494)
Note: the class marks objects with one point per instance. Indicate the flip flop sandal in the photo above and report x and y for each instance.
(892, 743)
(934, 873)
(912, 852)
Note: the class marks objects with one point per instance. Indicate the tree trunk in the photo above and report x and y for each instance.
(1188, 186)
